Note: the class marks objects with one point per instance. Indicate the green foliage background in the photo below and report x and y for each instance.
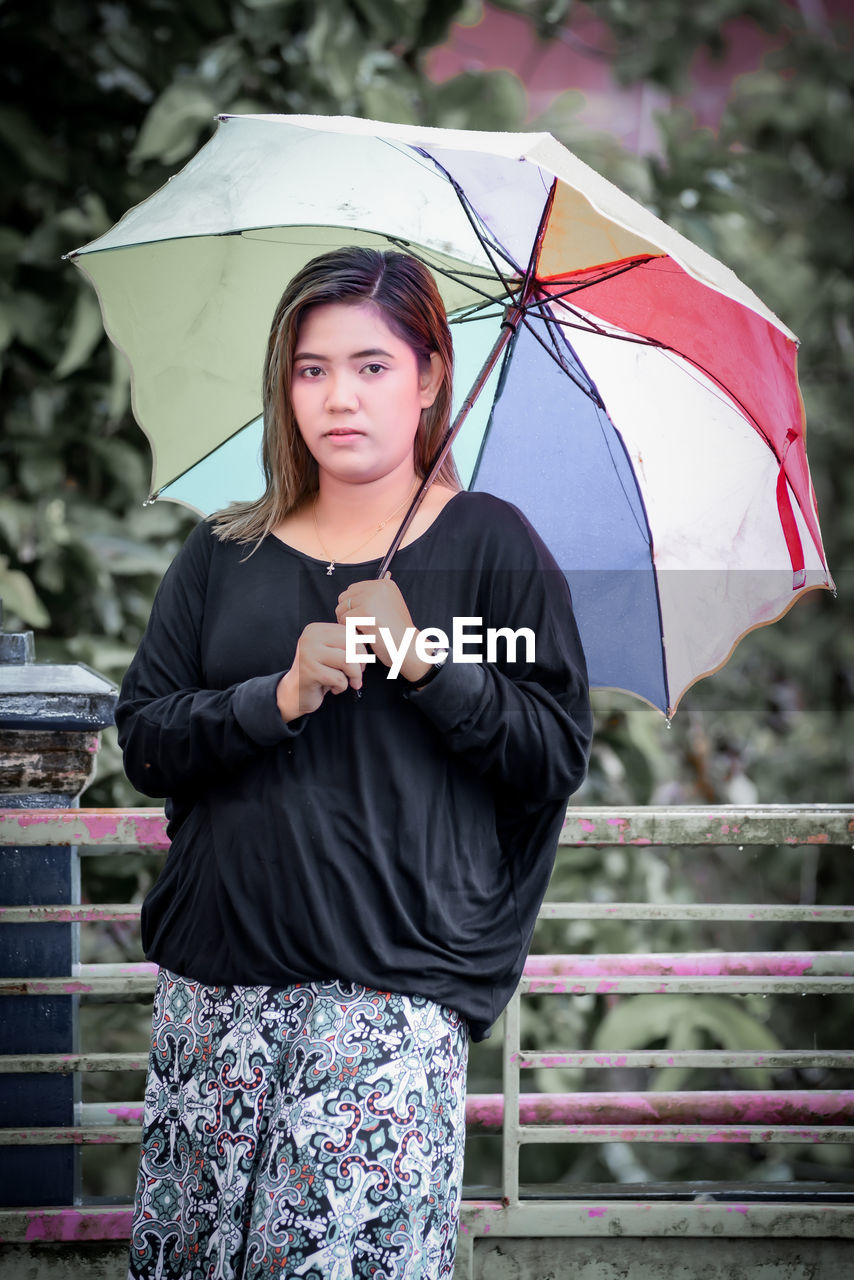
(103, 101)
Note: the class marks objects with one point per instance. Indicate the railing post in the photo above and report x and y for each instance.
(510, 1123)
(50, 718)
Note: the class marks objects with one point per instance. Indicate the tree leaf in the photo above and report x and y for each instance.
(84, 334)
(387, 99)
(37, 155)
(7, 329)
(31, 317)
(389, 20)
(479, 100)
(19, 597)
(171, 129)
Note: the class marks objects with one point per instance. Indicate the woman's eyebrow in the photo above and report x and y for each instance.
(356, 355)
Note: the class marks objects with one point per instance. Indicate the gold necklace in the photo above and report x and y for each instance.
(330, 568)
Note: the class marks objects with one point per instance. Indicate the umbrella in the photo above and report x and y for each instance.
(618, 384)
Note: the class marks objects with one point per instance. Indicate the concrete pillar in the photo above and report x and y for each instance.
(50, 722)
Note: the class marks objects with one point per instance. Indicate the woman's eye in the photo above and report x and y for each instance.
(374, 368)
(309, 371)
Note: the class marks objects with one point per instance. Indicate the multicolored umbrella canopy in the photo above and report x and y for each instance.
(644, 414)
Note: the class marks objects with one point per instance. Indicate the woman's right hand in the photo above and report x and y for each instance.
(319, 668)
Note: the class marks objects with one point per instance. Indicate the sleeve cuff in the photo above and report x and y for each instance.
(447, 698)
(257, 713)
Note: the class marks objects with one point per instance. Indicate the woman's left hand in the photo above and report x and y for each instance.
(380, 599)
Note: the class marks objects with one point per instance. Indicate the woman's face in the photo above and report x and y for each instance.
(357, 392)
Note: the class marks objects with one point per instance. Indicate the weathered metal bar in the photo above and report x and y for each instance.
(510, 1083)
(138, 827)
(694, 964)
(685, 1133)
(693, 911)
(683, 825)
(66, 1063)
(81, 913)
(88, 1222)
(107, 1114)
(537, 1218)
(141, 983)
(784, 964)
(70, 1135)
(120, 987)
(690, 825)
(716, 1058)
(604, 1217)
(485, 1112)
(807, 1135)
(88, 912)
(677, 984)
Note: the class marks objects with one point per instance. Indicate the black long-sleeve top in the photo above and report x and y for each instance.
(404, 839)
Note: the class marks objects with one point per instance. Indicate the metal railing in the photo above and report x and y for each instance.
(800, 1116)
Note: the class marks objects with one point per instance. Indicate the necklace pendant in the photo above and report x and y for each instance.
(330, 568)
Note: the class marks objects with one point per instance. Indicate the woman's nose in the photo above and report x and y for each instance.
(341, 393)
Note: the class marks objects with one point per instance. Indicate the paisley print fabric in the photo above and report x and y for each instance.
(309, 1131)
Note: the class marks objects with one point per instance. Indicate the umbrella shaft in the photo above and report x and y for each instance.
(512, 316)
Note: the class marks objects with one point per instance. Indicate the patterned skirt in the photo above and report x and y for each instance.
(315, 1130)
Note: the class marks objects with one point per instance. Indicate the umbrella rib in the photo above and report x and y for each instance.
(198, 461)
(531, 303)
(548, 318)
(606, 275)
(473, 314)
(555, 355)
(485, 237)
(642, 340)
(592, 391)
(459, 277)
(490, 245)
(614, 335)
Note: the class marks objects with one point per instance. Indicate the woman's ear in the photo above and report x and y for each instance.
(431, 379)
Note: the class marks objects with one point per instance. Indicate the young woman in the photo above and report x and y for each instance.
(361, 837)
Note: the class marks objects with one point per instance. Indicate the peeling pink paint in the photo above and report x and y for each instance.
(32, 987)
(119, 826)
(785, 964)
(693, 1109)
(76, 1224)
(587, 825)
(126, 1113)
(597, 1213)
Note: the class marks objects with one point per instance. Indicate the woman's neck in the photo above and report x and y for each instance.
(343, 506)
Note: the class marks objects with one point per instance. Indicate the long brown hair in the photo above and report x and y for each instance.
(404, 292)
